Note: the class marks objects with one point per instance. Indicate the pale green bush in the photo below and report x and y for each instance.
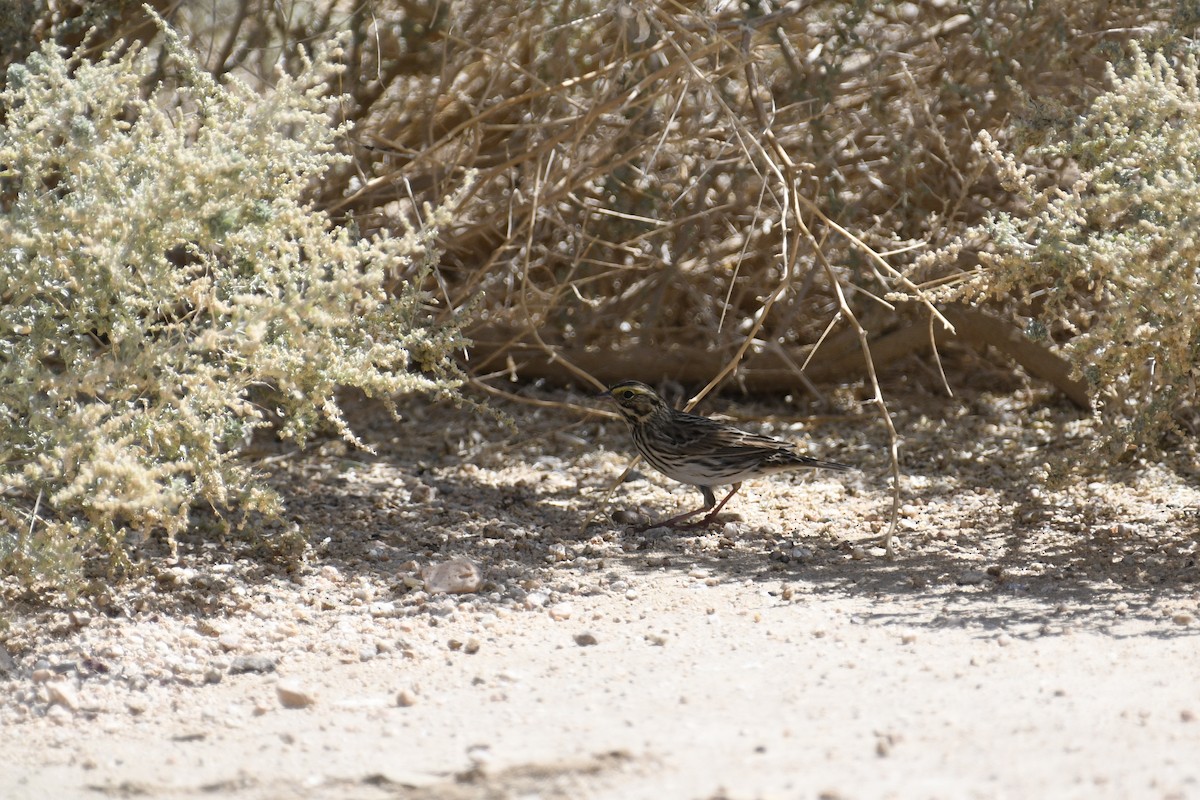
(165, 290)
(1109, 263)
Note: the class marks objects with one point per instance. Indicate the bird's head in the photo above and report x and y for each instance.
(636, 401)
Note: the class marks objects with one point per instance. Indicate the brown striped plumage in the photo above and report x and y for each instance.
(700, 451)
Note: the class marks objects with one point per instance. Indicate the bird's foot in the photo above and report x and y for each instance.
(707, 521)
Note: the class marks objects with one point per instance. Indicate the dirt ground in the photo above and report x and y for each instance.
(1036, 635)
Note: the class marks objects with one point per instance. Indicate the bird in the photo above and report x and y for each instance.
(700, 451)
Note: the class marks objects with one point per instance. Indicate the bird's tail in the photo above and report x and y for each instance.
(817, 463)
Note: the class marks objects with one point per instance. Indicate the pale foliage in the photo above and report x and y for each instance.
(165, 290)
(1109, 263)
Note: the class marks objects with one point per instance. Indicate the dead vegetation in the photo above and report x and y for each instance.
(629, 199)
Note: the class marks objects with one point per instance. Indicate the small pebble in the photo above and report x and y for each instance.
(59, 715)
(293, 694)
(7, 665)
(625, 517)
(586, 639)
(251, 663)
(971, 577)
(884, 742)
(406, 698)
(384, 608)
(1184, 618)
(423, 493)
(229, 641)
(459, 576)
(560, 611)
(472, 646)
(63, 694)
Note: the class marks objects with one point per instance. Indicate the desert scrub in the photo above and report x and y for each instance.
(165, 290)
(1107, 262)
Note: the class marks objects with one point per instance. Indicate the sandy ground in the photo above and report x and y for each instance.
(1033, 638)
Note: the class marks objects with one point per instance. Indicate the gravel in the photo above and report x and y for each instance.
(455, 628)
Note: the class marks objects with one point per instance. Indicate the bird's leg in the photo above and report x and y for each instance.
(710, 500)
(710, 516)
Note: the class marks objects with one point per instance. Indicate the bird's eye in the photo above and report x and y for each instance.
(628, 394)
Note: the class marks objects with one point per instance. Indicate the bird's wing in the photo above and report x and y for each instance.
(704, 435)
(708, 437)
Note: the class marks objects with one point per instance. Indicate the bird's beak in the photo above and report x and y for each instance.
(605, 395)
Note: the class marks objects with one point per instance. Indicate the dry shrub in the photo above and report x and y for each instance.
(625, 206)
(165, 291)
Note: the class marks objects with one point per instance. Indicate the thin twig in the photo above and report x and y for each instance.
(786, 171)
(557, 405)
